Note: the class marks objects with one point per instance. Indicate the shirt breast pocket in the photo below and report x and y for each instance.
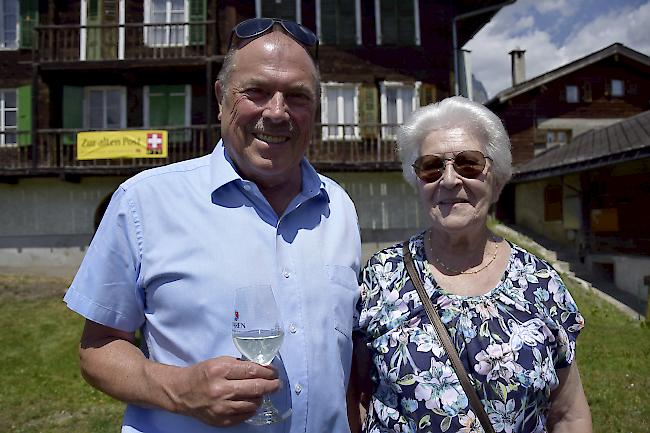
(344, 293)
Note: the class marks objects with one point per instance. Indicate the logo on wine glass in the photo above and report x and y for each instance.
(236, 324)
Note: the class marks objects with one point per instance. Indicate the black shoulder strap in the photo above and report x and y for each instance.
(443, 336)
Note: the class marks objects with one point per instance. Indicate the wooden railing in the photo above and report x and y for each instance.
(130, 41)
(55, 149)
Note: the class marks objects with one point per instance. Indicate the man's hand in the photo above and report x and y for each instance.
(223, 391)
(220, 391)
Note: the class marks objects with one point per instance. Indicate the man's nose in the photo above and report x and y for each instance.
(276, 108)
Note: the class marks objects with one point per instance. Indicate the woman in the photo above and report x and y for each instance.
(508, 313)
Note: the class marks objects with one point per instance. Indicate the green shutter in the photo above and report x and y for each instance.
(427, 94)
(328, 24)
(284, 9)
(158, 105)
(176, 110)
(28, 20)
(167, 105)
(24, 115)
(405, 23)
(93, 31)
(388, 11)
(109, 35)
(197, 15)
(72, 112)
(368, 110)
(346, 23)
(338, 23)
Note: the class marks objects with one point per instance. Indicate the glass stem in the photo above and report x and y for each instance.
(267, 406)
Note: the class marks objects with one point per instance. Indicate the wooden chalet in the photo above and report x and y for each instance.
(87, 65)
(592, 92)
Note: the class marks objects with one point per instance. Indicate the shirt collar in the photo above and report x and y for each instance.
(222, 172)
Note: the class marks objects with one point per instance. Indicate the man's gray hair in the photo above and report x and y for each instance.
(229, 64)
(456, 112)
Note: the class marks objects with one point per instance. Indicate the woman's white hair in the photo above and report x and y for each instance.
(456, 112)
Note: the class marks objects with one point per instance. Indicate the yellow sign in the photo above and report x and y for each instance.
(121, 144)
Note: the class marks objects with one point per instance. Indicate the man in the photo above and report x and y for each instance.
(176, 242)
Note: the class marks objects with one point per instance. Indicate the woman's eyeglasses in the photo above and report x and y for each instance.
(468, 164)
(256, 27)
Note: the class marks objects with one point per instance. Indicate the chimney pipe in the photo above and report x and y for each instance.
(518, 66)
(465, 74)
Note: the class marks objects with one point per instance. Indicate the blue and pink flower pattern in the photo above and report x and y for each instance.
(511, 341)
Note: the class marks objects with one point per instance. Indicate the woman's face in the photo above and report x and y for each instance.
(456, 204)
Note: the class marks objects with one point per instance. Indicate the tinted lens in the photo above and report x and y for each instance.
(429, 168)
(469, 163)
(301, 33)
(252, 27)
(257, 26)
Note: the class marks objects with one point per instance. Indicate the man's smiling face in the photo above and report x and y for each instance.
(267, 111)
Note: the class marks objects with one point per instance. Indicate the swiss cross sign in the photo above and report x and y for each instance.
(154, 142)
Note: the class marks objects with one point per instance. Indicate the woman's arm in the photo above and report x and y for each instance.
(569, 408)
(360, 385)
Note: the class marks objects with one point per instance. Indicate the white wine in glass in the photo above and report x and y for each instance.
(257, 334)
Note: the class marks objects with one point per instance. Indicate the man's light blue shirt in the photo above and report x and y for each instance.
(177, 240)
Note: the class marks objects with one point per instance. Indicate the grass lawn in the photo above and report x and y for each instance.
(42, 390)
(614, 358)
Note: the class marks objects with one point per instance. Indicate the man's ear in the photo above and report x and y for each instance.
(218, 92)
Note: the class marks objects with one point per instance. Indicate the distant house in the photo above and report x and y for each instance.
(592, 92)
(593, 195)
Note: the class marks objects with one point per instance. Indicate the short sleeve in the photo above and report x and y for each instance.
(105, 289)
(568, 321)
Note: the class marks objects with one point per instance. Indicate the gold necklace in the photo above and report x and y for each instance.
(456, 271)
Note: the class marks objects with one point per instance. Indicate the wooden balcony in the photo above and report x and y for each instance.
(53, 151)
(130, 41)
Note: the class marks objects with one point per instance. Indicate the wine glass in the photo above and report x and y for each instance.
(257, 334)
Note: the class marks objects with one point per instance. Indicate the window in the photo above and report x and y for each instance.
(285, 9)
(553, 203)
(338, 22)
(548, 138)
(339, 110)
(398, 22)
(557, 137)
(618, 88)
(398, 101)
(104, 108)
(169, 106)
(171, 14)
(572, 94)
(9, 24)
(8, 117)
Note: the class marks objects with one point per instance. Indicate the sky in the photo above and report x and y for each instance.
(553, 33)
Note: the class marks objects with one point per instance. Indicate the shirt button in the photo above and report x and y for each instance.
(292, 328)
(247, 187)
(285, 274)
(297, 388)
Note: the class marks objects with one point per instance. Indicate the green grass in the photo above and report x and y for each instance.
(42, 390)
(613, 353)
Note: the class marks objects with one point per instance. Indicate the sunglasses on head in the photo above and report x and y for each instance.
(256, 27)
(468, 164)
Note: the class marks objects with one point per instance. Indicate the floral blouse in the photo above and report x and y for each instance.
(511, 341)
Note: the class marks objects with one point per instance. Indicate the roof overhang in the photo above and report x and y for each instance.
(540, 80)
